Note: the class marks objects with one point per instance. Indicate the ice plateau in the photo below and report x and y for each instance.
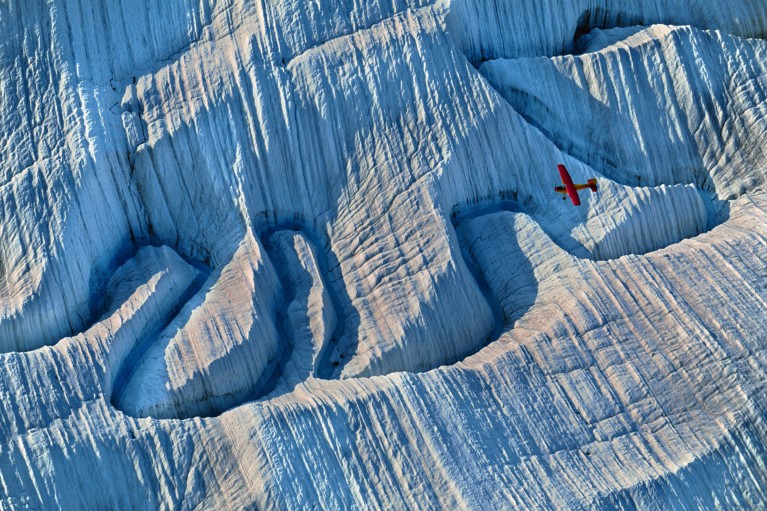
(290, 254)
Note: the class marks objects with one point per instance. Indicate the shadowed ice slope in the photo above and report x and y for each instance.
(336, 274)
(496, 29)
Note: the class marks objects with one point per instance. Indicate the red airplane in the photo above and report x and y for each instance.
(572, 189)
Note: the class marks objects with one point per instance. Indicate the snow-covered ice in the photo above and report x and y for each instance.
(290, 255)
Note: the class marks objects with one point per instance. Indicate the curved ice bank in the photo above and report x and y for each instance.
(143, 295)
(496, 29)
(309, 311)
(179, 373)
(633, 221)
(636, 109)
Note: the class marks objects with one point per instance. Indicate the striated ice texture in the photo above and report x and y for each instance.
(299, 255)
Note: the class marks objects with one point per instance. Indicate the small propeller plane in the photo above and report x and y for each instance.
(572, 189)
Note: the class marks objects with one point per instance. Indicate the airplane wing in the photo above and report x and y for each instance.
(569, 186)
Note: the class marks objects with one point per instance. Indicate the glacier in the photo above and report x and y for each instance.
(290, 255)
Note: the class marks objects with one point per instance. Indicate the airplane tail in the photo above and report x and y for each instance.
(593, 185)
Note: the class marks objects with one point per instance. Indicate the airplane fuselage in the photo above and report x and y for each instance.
(571, 188)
